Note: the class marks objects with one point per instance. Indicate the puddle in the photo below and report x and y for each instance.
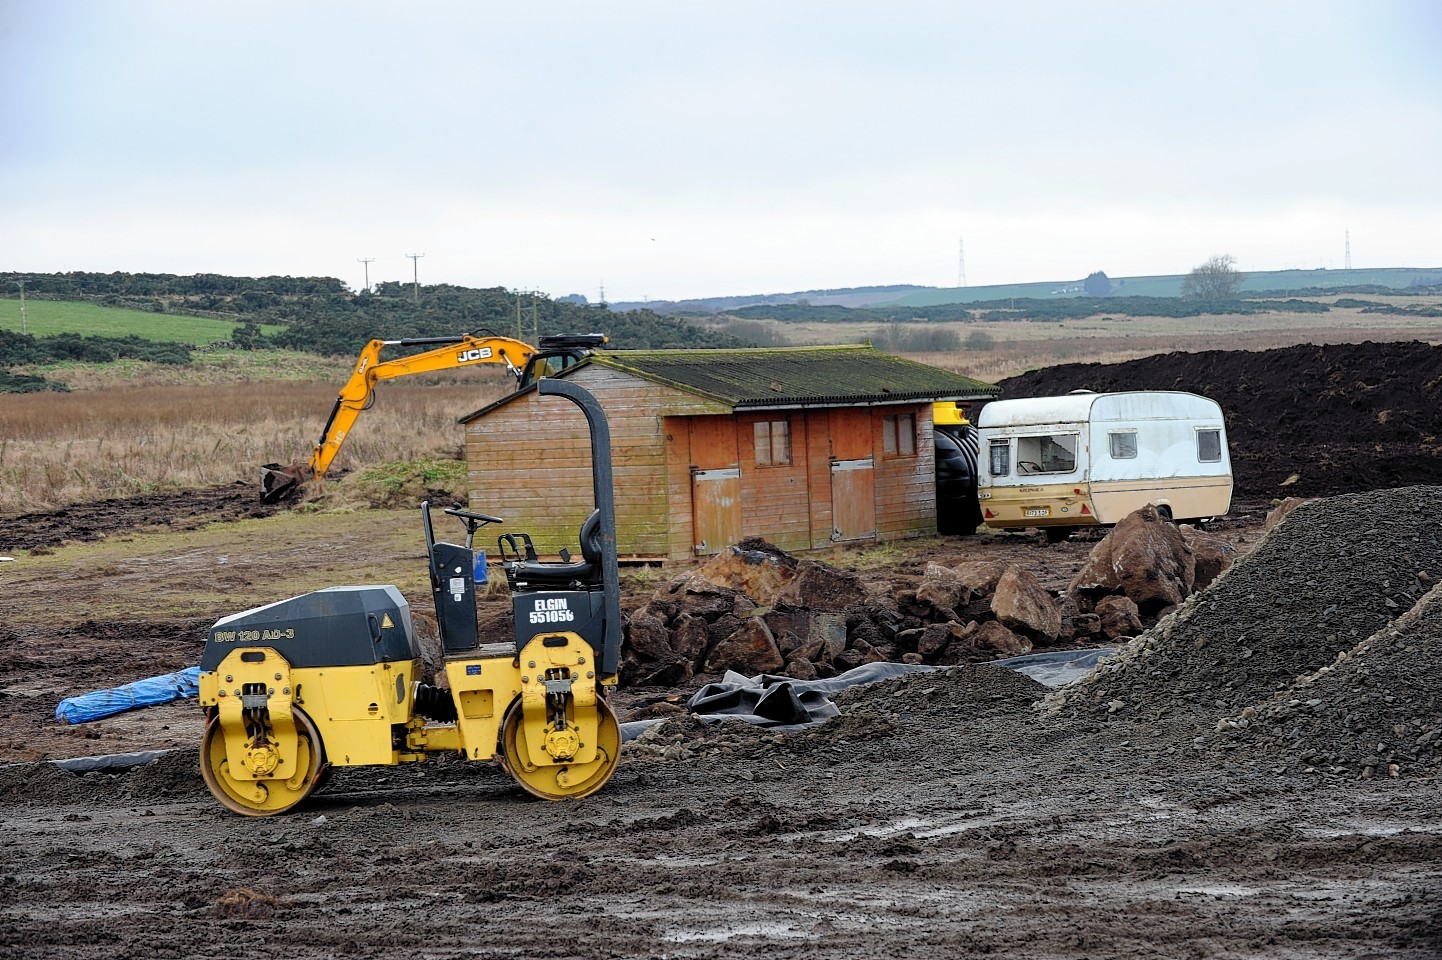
(765, 930)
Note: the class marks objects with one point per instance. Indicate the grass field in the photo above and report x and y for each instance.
(1171, 286)
(48, 317)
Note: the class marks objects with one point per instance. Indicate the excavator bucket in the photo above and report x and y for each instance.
(282, 481)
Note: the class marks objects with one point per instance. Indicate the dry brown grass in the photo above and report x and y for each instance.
(58, 448)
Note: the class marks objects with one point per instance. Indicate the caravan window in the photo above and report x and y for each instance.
(1209, 446)
(1123, 444)
(1051, 453)
(1000, 458)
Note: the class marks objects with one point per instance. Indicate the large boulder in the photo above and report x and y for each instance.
(1145, 558)
(753, 567)
(1023, 605)
(698, 596)
(935, 638)
(748, 649)
(1211, 556)
(942, 589)
(690, 637)
(648, 638)
(980, 576)
(994, 637)
(823, 588)
(649, 673)
(1118, 617)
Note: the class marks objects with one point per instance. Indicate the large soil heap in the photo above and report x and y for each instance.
(1303, 421)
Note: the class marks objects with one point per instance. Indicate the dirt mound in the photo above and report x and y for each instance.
(1327, 578)
(1340, 418)
(176, 510)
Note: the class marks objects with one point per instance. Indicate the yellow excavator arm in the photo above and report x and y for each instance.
(359, 392)
(278, 480)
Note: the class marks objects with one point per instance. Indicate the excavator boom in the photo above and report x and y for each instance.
(279, 481)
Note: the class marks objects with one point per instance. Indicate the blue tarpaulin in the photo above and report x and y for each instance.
(141, 693)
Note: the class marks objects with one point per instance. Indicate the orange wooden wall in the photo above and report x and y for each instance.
(529, 462)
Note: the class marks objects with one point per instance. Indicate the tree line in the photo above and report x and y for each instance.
(319, 314)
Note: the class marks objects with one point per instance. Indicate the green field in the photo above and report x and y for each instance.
(1171, 286)
(48, 317)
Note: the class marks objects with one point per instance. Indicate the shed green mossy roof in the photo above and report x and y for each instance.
(761, 377)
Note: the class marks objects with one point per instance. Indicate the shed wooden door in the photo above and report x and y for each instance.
(853, 476)
(715, 485)
(853, 499)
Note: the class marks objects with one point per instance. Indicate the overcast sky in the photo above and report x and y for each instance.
(677, 149)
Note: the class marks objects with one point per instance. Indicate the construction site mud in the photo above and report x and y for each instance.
(1254, 775)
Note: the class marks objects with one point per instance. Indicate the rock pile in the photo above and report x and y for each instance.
(1295, 648)
(1145, 566)
(756, 609)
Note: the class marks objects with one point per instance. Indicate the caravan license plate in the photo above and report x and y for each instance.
(1038, 511)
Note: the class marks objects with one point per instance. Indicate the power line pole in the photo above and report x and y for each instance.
(416, 274)
(367, 261)
(961, 263)
(1347, 262)
(24, 326)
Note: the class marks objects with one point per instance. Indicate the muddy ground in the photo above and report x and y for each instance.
(1191, 799)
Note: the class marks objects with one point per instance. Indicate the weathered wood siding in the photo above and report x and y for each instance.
(818, 476)
(775, 497)
(529, 462)
(905, 485)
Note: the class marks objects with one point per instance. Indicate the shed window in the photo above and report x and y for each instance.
(1048, 453)
(773, 442)
(1209, 446)
(1000, 458)
(898, 435)
(1123, 444)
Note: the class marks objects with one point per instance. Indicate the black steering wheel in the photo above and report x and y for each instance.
(478, 519)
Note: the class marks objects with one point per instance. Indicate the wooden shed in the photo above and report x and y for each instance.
(804, 446)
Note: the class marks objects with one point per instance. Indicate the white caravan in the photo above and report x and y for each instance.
(1089, 459)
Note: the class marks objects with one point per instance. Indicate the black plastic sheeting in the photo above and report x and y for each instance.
(785, 704)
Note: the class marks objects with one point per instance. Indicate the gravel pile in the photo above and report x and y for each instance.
(1376, 712)
(1329, 577)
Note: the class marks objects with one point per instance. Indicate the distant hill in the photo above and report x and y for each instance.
(1267, 282)
(845, 297)
(314, 314)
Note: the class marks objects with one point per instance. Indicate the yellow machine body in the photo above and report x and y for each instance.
(543, 705)
(332, 678)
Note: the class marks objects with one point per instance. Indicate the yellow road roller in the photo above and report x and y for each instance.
(332, 678)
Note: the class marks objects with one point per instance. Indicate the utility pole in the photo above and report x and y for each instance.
(24, 327)
(416, 274)
(1347, 262)
(961, 262)
(367, 261)
(520, 318)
